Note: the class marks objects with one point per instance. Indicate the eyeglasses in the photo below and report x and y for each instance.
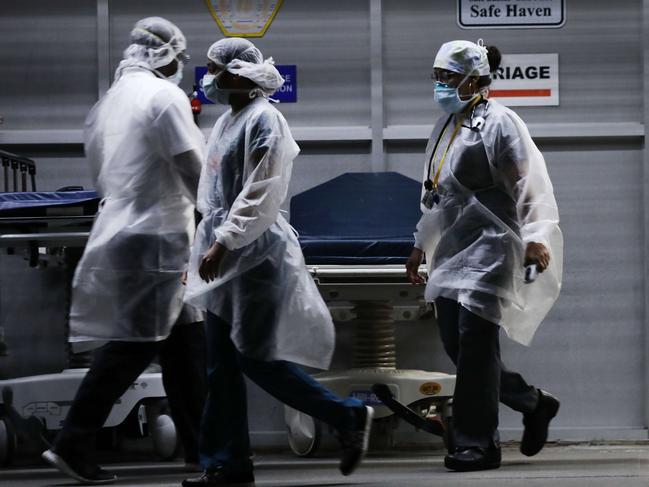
(213, 68)
(183, 57)
(447, 77)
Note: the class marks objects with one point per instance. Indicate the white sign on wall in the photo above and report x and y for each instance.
(527, 80)
(244, 18)
(481, 14)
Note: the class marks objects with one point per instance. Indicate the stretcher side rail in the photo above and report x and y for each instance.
(53, 239)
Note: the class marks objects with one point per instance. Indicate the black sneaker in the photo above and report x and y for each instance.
(537, 424)
(83, 471)
(472, 459)
(354, 442)
(219, 477)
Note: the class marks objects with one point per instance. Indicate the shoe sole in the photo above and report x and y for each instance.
(461, 467)
(366, 439)
(553, 412)
(57, 462)
(233, 484)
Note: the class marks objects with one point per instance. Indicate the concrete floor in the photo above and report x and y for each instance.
(556, 466)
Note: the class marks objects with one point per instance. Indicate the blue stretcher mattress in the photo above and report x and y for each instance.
(42, 203)
(358, 218)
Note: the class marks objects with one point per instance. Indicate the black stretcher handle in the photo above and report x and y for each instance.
(384, 393)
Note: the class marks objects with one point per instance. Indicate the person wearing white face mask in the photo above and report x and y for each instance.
(264, 312)
(146, 155)
(488, 211)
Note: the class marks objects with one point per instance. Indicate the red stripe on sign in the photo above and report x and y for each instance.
(516, 93)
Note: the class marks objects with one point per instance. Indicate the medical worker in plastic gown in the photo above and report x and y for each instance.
(488, 212)
(264, 312)
(146, 155)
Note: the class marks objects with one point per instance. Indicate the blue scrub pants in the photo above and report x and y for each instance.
(224, 438)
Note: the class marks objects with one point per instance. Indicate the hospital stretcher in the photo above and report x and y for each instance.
(18, 166)
(356, 233)
(45, 226)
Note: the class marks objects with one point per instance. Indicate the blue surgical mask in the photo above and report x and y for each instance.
(448, 98)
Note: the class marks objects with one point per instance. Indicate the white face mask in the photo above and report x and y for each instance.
(208, 83)
(212, 91)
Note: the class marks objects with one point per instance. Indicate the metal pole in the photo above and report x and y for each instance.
(103, 48)
(645, 206)
(376, 79)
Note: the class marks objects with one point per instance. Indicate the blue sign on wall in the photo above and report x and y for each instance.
(286, 94)
(199, 72)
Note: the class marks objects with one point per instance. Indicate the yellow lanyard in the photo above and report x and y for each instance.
(455, 131)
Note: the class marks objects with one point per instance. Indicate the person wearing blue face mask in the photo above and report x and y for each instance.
(488, 212)
(265, 316)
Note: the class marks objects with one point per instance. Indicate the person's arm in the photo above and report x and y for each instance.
(422, 232)
(179, 139)
(525, 175)
(188, 166)
(271, 150)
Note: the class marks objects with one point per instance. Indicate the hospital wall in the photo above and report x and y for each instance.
(591, 350)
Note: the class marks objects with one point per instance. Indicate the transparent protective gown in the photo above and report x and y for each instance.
(496, 197)
(264, 289)
(128, 283)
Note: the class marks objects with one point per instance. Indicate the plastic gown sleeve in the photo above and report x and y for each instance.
(524, 174)
(425, 229)
(270, 149)
(181, 141)
(188, 164)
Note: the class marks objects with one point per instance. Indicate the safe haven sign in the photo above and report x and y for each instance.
(484, 14)
(527, 80)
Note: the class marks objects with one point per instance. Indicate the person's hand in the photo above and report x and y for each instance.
(211, 262)
(183, 278)
(538, 254)
(412, 266)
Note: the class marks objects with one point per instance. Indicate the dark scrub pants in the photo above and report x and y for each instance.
(482, 380)
(224, 436)
(116, 366)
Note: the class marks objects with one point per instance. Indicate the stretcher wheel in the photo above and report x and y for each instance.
(304, 432)
(162, 431)
(8, 442)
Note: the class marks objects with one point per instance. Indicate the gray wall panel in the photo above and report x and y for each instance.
(33, 306)
(49, 63)
(597, 38)
(318, 163)
(57, 172)
(328, 41)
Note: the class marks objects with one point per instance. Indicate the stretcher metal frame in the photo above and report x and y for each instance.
(33, 408)
(17, 164)
(372, 298)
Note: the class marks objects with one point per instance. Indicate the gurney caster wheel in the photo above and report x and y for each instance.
(162, 431)
(304, 432)
(8, 442)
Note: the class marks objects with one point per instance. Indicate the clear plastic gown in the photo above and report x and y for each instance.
(264, 290)
(496, 197)
(127, 285)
